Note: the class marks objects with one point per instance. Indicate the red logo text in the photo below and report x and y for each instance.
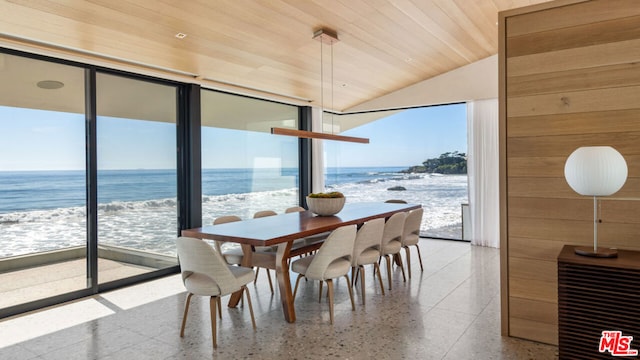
(616, 344)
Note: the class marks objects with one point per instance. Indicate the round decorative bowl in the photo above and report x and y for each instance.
(325, 206)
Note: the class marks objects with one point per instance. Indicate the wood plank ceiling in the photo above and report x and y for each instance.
(267, 45)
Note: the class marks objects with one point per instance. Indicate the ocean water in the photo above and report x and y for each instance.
(45, 210)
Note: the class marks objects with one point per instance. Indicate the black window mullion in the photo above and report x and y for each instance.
(305, 155)
(92, 178)
(189, 157)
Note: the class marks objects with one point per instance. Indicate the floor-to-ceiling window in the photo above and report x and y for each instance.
(88, 194)
(244, 167)
(417, 155)
(42, 180)
(136, 161)
(89, 169)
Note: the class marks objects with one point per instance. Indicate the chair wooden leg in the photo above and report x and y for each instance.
(295, 290)
(353, 304)
(270, 283)
(246, 293)
(395, 258)
(419, 258)
(330, 291)
(354, 275)
(388, 259)
(406, 251)
(220, 307)
(186, 311)
(361, 268)
(320, 291)
(327, 293)
(255, 279)
(213, 302)
(377, 268)
(401, 267)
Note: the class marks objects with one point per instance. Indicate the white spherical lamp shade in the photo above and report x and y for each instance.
(595, 170)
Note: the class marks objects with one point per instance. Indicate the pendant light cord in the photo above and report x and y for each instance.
(332, 108)
(330, 37)
(321, 87)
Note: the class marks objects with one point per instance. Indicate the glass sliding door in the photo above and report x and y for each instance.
(417, 155)
(137, 192)
(43, 225)
(244, 167)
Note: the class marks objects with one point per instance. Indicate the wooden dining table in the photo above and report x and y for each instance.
(283, 229)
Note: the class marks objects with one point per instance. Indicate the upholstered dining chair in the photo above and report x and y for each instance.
(411, 235)
(263, 213)
(206, 273)
(233, 255)
(366, 250)
(333, 260)
(310, 239)
(265, 256)
(392, 242)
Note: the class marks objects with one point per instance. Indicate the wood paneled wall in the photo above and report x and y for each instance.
(569, 77)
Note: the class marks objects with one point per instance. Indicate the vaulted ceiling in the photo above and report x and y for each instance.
(267, 45)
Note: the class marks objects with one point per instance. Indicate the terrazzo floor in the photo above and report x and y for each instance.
(449, 311)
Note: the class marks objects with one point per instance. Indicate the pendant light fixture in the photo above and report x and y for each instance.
(328, 37)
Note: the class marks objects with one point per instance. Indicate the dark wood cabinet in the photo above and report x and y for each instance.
(596, 295)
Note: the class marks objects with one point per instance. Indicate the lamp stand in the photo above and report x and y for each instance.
(596, 251)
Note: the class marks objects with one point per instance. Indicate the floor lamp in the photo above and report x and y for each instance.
(595, 171)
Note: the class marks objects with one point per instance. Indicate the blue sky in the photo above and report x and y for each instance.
(40, 140)
(404, 139)
(43, 140)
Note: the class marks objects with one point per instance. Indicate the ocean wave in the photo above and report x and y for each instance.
(391, 177)
(79, 212)
(150, 225)
(13, 218)
(118, 206)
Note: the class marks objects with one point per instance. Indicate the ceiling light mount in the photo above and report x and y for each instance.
(326, 36)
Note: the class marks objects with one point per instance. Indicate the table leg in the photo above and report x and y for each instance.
(247, 252)
(282, 272)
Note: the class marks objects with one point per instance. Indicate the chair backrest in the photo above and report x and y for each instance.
(339, 245)
(294, 209)
(393, 228)
(368, 236)
(264, 213)
(197, 257)
(412, 224)
(223, 220)
(226, 219)
(396, 201)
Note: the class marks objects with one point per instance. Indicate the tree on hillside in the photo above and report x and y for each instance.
(447, 163)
